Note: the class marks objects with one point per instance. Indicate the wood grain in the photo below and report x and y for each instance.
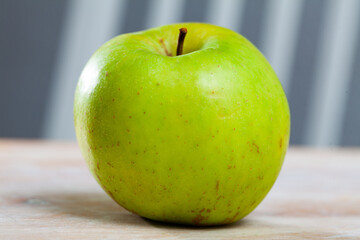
(46, 192)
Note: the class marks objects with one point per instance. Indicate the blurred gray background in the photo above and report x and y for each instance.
(313, 45)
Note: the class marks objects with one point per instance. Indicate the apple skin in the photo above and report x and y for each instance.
(194, 139)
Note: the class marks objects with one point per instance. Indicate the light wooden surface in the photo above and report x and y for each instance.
(47, 192)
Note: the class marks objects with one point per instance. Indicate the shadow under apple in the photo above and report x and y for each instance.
(99, 207)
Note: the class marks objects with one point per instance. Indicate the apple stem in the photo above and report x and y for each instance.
(181, 39)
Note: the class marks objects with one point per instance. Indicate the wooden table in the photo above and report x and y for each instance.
(47, 192)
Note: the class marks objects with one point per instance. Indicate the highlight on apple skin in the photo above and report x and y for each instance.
(194, 138)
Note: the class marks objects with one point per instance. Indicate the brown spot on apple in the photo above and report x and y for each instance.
(98, 176)
(232, 219)
(280, 142)
(110, 194)
(217, 185)
(161, 41)
(198, 219)
(256, 146)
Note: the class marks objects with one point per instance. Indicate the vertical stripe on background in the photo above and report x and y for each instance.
(252, 21)
(135, 16)
(195, 11)
(225, 13)
(302, 76)
(351, 123)
(29, 38)
(328, 98)
(280, 36)
(88, 25)
(162, 12)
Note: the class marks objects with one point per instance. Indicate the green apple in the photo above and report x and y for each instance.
(194, 136)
